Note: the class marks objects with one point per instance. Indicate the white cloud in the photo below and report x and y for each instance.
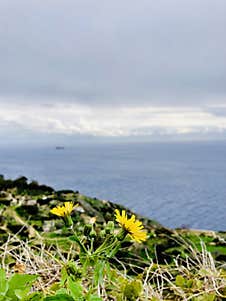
(111, 121)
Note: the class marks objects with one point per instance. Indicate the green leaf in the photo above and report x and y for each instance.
(4, 298)
(73, 238)
(197, 283)
(189, 283)
(20, 282)
(61, 291)
(180, 281)
(75, 289)
(3, 283)
(63, 275)
(61, 297)
(34, 297)
(98, 272)
(17, 281)
(93, 298)
(22, 293)
(206, 297)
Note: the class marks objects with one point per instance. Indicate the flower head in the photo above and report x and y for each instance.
(64, 210)
(131, 226)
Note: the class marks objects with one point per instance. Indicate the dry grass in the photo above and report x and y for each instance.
(160, 282)
(33, 257)
(207, 277)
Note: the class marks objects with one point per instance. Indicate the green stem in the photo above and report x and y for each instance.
(102, 246)
(81, 245)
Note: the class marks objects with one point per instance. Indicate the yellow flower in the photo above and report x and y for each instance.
(131, 226)
(64, 210)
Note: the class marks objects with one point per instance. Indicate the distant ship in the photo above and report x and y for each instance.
(59, 147)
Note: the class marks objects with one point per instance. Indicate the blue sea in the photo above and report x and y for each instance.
(177, 184)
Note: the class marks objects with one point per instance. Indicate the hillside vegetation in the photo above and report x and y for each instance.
(91, 253)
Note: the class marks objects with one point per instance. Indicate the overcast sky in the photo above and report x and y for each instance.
(113, 68)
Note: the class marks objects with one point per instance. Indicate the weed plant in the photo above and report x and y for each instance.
(90, 269)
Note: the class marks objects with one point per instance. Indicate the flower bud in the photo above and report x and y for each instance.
(109, 227)
(93, 233)
(102, 233)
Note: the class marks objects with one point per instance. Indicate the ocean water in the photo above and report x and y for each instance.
(178, 184)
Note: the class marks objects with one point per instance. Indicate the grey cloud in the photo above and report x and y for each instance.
(217, 111)
(114, 52)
